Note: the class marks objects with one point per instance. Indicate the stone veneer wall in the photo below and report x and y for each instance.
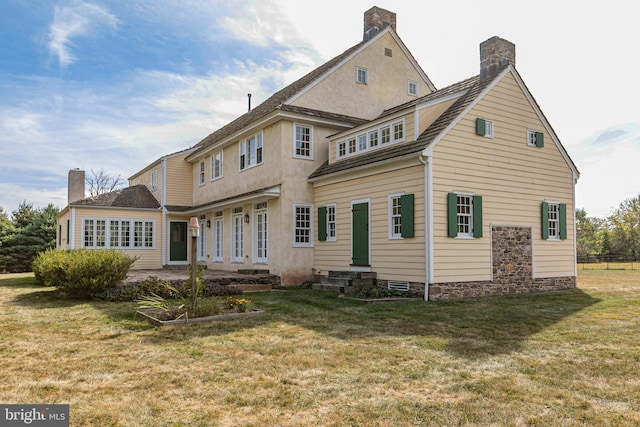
(512, 270)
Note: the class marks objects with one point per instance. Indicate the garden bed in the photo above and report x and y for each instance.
(155, 317)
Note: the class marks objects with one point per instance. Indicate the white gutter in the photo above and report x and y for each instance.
(428, 224)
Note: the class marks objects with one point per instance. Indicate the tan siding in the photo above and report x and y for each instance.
(61, 242)
(427, 116)
(386, 88)
(179, 182)
(148, 258)
(401, 259)
(513, 179)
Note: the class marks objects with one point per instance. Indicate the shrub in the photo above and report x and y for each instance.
(137, 290)
(82, 273)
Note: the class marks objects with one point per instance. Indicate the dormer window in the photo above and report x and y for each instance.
(362, 75)
(388, 133)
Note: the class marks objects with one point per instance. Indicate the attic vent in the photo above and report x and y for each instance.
(388, 52)
(398, 286)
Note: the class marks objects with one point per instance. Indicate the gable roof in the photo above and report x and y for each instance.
(474, 89)
(271, 103)
(290, 92)
(470, 88)
(134, 197)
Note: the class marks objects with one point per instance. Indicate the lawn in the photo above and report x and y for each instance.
(560, 358)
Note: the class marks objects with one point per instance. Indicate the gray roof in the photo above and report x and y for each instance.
(471, 87)
(274, 102)
(137, 197)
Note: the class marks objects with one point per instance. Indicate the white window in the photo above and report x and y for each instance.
(373, 138)
(154, 179)
(303, 142)
(302, 226)
(260, 233)
(251, 152)
(398, 132)
(201, 173)
(395, 216)
(237, 236)
(362, 75)
(342, 149)
(362, 142)
(331, 223)
(352, 145)
(216, 165)
(553, 219)
(412, 88)
(218, 237)
(385, 133)
(116, 233)
(465, 215)
(535, 138)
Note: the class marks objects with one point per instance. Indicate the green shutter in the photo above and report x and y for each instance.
(477, 216)
(544, 216)
(563, 221)
(407, 215)
(481, 127)
(539, 139)
(452, 214)
(68, 227)
(322, 224)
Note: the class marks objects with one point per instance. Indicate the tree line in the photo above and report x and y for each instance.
(617, 234)
(24, 235)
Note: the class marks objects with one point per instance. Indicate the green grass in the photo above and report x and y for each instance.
(560, 358)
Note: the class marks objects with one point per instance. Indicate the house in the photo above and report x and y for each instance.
(466, 191)
(362, 168)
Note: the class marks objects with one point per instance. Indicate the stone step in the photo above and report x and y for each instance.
(328, 287)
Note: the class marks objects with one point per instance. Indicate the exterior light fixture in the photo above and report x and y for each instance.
(246, 218)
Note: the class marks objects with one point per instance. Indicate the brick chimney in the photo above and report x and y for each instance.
(377, 19)
(75, 189)
(494, 54)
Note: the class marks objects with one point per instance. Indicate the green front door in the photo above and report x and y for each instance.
(360, 234)
(177, 241)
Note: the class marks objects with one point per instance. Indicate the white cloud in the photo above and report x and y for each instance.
(74, 21)
(12, 195)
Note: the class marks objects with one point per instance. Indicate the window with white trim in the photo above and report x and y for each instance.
(201, 173)
(412, 88)
(302, 226)
(362, 75)
(464, 211)
(251, 151)
(218, 237)
(373, 138)
(331, 223)
(116, 233)
(362, 142)
(303, 142)
(154, 179)
(535, 138)
(388, 133)
(237, 236)
(401, 215)
(352, 145)
(216, 165)
(554, 220)
(395, 217)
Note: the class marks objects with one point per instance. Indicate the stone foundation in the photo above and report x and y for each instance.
(512, 270)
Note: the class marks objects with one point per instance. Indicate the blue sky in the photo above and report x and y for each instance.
(116, 84)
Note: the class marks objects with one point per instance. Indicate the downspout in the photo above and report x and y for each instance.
(427, 227)
(163, 203)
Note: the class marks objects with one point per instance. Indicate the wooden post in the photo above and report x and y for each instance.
(195, 232)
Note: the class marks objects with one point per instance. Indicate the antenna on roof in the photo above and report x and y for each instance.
(249, 95)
